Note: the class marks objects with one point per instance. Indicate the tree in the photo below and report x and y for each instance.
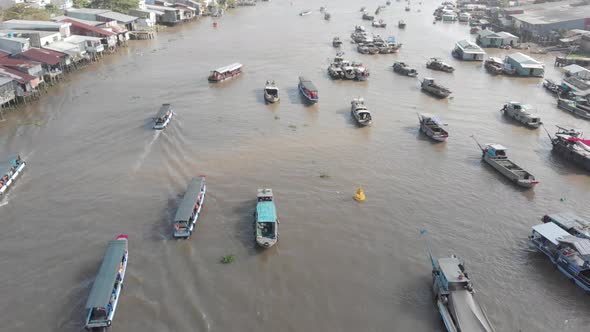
(82, 3)
(121, 6)
(23, 11)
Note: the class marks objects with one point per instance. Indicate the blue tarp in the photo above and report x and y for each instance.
(266, 212)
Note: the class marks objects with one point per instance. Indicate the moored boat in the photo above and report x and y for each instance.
(569, 144)
(570, 222)
(568, 253)
(368, 17)
(432, 127)
(360, 113)
(407, 9)
(494, 65)
(401, 24)
(190, 208)
(305, 12)
(266, 221)
(379, 24)
(163, 116)
(495, 156)
(572, 107)
(403, 69)
(10, 170)
(106, 289)
(308, 90)
(336, 42)
(437, 64)
(271, 92)
(327, 16)
(522, 113)
(226, 72)
(439, 91)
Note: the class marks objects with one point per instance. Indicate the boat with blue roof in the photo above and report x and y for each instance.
(10, 170)
(570, 254)
(266, 221)
(190, 208)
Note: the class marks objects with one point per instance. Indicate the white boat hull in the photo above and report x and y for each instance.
(164, 124)
(13, 178)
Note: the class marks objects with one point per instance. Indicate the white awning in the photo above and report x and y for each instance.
(550, 231)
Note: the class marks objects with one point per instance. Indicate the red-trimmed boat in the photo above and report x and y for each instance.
(223, 73)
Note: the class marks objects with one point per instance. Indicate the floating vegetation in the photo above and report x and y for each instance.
(324, 175)
(37, 123)
(294, 127)
(228, 259)
(277, 117)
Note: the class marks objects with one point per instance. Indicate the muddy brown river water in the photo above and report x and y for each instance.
(97, 169)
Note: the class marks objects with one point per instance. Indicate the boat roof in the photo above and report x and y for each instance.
(582, 245)
(266, 211)
(100, 295)
(550, 231)
(164, 109)
(187, 206)
(307, 83)
(450, 268)
(570, 220)
(231, 67)
(496, 147)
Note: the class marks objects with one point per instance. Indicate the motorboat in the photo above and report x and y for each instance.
(494, 65)
(407, 9)
(190, 208)
(223, 73)
(379, 24)
(432, 127)
(361, 73)
(336, 42)
(437, 64)
(403, 69)
(271, 92)
(10, 170)
(569, 144)
(163, 116)
(360, 113)
(368, 17)
(495, 156)
(327, 16)
(401, 24)
(522, 113)
(553, 87)
(336, 72)
(308, 90)
(305, 12)
(572, 107)
(266, 221)
(428, 85)
(106, 289)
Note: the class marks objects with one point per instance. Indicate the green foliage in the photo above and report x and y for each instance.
(228, 259)
(82, 3)
(23, 11)
(53, 9)
(121, 6)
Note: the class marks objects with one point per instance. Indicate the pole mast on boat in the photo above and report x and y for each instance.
(429, 249)
(482, 149)
(551, 138)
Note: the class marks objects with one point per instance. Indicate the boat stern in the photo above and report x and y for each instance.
(527, 183)
(265, 242)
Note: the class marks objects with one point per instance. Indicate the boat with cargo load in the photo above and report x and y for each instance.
(336, 42)
(494, 66)
(437, 64)
(360, 113)
(433, 127)
(522, 113)
(226, 72)
(572, 107)
(163, 116)
(401, 24)
(403, 69)
(10, 170)
(266, 221)
(569, 144)
(190, 208)
(106, 289)
(439, 91)
(308, 90)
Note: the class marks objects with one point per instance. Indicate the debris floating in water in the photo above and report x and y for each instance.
(360, 195)
(228, 259)
(562, 199)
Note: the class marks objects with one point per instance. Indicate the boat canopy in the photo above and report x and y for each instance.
(450, 268)
(5, 166)
(164, 109)
(569, 220)
(582, 245)
(102, 289)
(550, 231)
(307, 84)
(231, 67)
(266, 212)
(431, 118)
(189, 201)
(496, 147)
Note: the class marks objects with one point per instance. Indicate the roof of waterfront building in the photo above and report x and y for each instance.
(89, 27)
(553, 13)
(21, 63)
(109, 14)
(74, 19)
(34, 23)
(4, 80)
(470, 47)
(492, 34)
(16, 33)
(525, 60)
(43, 55)
(4, 54)
(16, 75)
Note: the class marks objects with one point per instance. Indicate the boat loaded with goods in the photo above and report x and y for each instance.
(432, 127)
(10, 170)
(573, 107)
(359, 112)
(271, 92)
(522, 113)
(428, 85)
(163, 116)
(347, 70)
(308, 90)
(494, 65)
(437, 64)
(495, 155)
(106, 289)
(266, 221)
(190, 208)
(403, 69)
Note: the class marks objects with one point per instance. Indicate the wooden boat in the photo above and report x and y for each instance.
(495, 156)
(432, 127)
(308, 90)
(407, 9)
(570, 106)
(437, 64)
(327, 16)
(226, 72)
(190, 207)
(388, 3)
(494, 65)
(163, 116)
(336, 42)
(569, 144)
(552, 87)
(401, 24)
(522, 113)
(404, 69)
(428, 85)
(271, 92)
(368, 17)
(360, 113)
(305, 12)
(10, 170)
(266, 221)
(106, 289)
(379, 24)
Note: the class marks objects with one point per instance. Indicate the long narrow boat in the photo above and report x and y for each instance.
(522, 113)
(10, 170)
(568, 253)
(495, 156)
(163, 116)
(106, 290)
(226, 72)
(570, 222)
(308, 90)
(266, 223)
(190, 208)
(430, 86)
(570, 106)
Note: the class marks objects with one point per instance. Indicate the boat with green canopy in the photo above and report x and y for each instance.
(9, 171)
(266, 220)
(104, 296)
(190, 208)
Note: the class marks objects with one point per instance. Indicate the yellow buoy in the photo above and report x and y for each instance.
(360, 195)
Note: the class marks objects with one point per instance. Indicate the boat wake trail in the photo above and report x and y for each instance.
(4, 202)
(146, 151)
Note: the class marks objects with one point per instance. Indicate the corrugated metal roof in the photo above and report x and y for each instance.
(103, 286)
(46, 56)
(4, 80)
(469, 47)
(550, 231)
(16, 75)
(4, 54)
(525, 60)
(89, 27)
(122, 18)
(76, 39)
(21, 63)
(266, 211)
(64, 18)
(190, 199)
